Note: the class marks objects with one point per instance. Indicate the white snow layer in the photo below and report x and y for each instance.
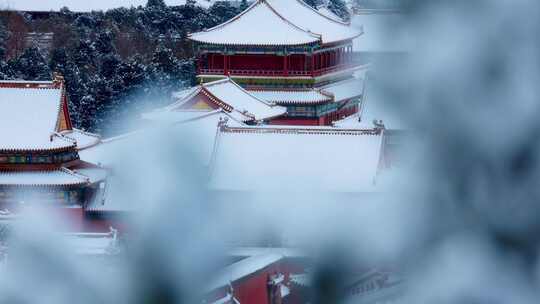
(278, 22)
(257, 26)
(285, 160)
(28, 118)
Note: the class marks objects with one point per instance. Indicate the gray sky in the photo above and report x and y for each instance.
(75, 5)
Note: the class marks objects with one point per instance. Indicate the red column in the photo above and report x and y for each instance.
(326, 59)
(285, 65)
(225, 64)
(312, 65)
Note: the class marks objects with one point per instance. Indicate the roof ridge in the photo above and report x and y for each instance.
(216, 100)
(194, 91)
(282, 90)
(85, 132)
(215, 82)
(60, 107)
(290, 22)
(74, 173)
(299, 131)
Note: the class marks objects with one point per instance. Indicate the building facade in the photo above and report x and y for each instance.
(289, 54)
(39, 161)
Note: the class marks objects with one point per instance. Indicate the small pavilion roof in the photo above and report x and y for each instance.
(237, 102)
(278, 22)
(273, 158)
(29, 116)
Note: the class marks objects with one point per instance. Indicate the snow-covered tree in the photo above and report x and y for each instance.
(31, 65)
(5, 71)
(243, 5)
(339, 8)
(313, 3)
(156, 3)
(222, 11)
(104, 43)
(84, 55)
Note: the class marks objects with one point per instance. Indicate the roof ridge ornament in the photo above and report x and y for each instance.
(379, 125)
(222, 123)
(58, 80)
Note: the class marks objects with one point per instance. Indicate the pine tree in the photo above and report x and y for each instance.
(84, 55)
(5, 72)
(339, 8)
(31, 65)
(104, 43)
(243, 5)
(313, 3)
(4, 36)
(223, 11)
(156, 3)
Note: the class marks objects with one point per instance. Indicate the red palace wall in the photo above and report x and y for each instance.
(253, 289)
(102, 221)
(263, 64)
(295, 121)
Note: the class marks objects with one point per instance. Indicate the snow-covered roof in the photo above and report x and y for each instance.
(29, 118)
(93, 174)
(383, 32)
(225, 93)
(96, 244)
(309, 96)
(346, 89)
(278, 22)
(197, 134)
(60, 177)
(242, 269)
(201, 126)
(296, 159)
(309, 19)
(242, 101)
(84, 139)
(255, 251)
